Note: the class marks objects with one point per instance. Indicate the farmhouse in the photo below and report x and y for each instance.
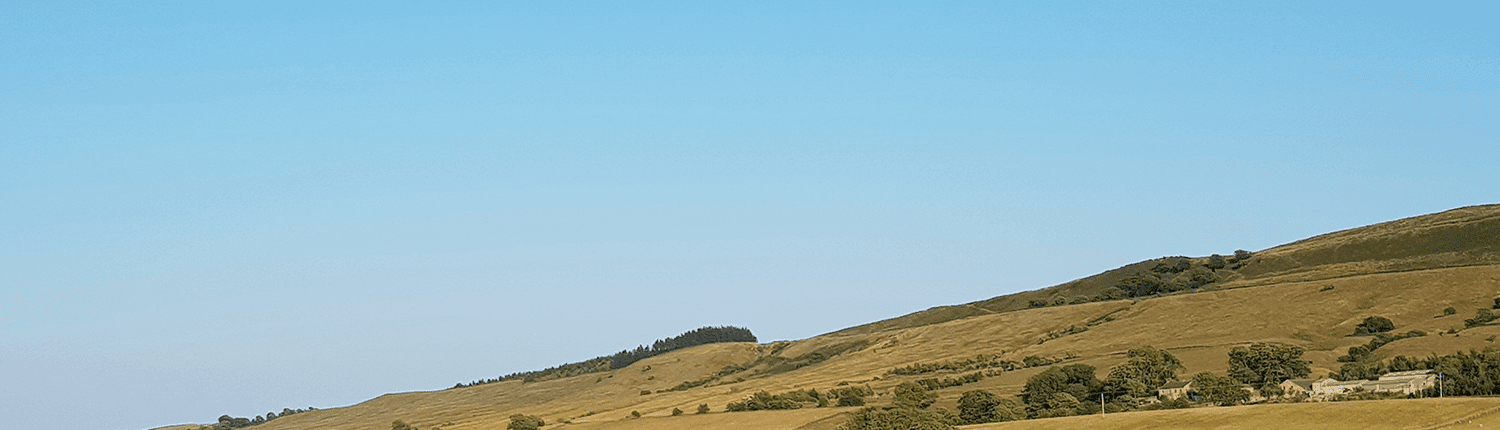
(1174, 390)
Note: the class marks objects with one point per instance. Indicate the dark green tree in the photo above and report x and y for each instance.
(676, 412)
(1150, 366)
(913, 395)
(1219, 390)
(977, 407)
(702, 409)
(1076, 380)
(1263, 363)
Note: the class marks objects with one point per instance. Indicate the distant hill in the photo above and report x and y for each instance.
(1466, 236)
(1425, 274)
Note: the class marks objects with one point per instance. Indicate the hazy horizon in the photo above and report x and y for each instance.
(226, 208)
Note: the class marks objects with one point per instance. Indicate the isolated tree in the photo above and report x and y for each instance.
(401, 425)
(1450, 310)
(913, 395)
(1266, 362)
(702, 409)
(977, 407)
(1219, 390)
(676, 412)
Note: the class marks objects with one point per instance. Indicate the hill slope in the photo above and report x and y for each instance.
(1309, 293)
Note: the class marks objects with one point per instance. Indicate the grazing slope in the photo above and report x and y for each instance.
(1309, 293)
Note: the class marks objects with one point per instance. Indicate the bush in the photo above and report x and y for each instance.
(1481, 317)
(913, 395)
(525, 422)
(676, 412)
(1375, 324)
(702, 409)
(401, 425)
(1449, 311)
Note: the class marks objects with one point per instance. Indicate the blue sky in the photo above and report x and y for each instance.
(216, 208)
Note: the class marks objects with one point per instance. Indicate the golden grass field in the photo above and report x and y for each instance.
(1289, 300)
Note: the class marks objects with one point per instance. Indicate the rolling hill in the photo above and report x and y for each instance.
(1310, 293)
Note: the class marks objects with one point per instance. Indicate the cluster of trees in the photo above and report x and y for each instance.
(1366, 351)
(695, 337)
(1481, 317)
(979, 362)
(1170, 274)
(1472, 373)
(1263, 364)
(227, 422)
(908, 411)
(763, 400)
(700, 336)
(938, 384)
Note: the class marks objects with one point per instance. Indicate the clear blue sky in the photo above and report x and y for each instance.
(216, 208)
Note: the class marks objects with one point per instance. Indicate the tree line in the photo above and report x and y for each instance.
(695, 337)
(227, 422)
(1170, 274)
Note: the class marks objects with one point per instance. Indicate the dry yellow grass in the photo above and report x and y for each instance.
(1315, 309)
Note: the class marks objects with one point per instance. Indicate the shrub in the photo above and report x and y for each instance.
(401, 425)
(1449, 311)
(1481, 317)
(913, 395)
(702, 409)
(525, 422)
(1374, 324)
(676, 412)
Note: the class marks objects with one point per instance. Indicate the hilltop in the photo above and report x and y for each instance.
(1309, 293)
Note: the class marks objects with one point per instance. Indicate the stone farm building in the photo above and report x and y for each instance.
(1174, 390)
(1408, 383)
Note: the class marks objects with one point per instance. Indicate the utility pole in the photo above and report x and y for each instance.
(1101, 404)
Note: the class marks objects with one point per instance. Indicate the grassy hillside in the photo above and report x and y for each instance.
(1422, 265)
(1459, 237)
